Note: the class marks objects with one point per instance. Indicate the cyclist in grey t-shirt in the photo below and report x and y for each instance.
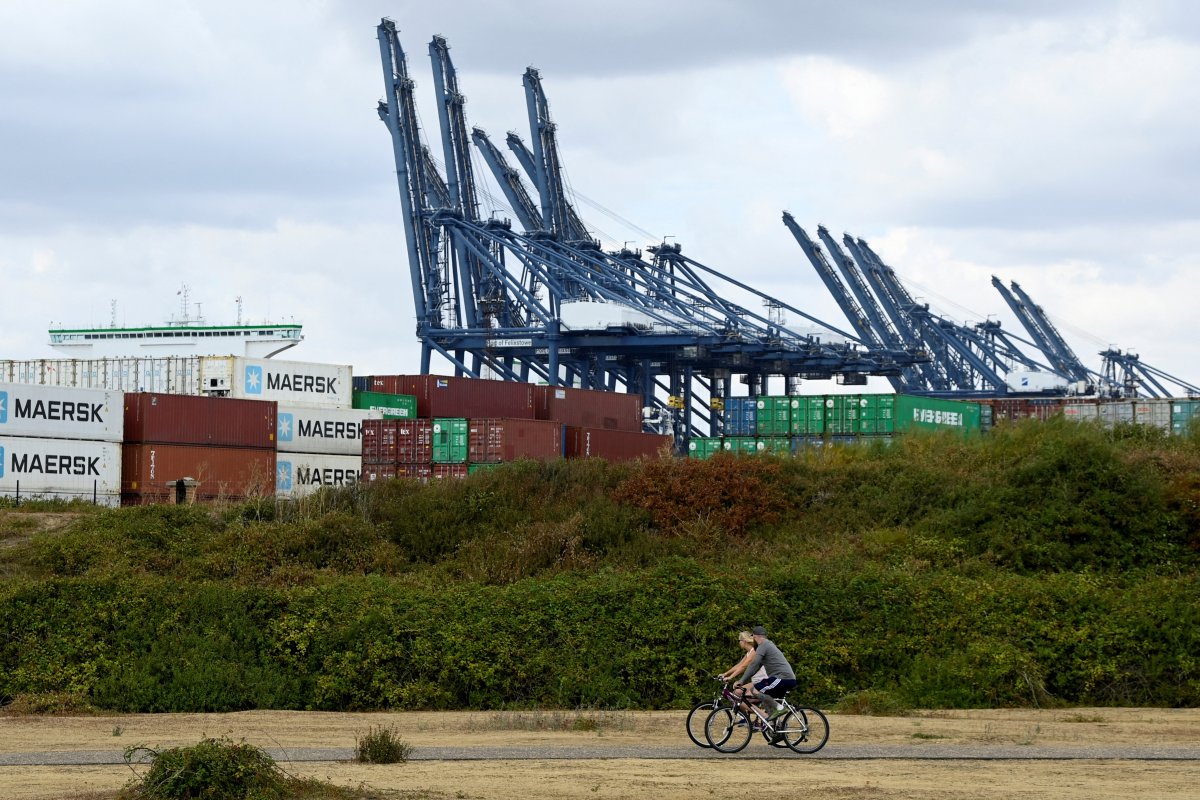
(780, 677)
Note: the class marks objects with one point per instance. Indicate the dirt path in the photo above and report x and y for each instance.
(974, 734)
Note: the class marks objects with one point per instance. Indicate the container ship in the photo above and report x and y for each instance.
(186, 335)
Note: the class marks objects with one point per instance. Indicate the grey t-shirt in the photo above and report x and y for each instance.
(769, 658)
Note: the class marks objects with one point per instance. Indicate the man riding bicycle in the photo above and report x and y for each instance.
(780, 677)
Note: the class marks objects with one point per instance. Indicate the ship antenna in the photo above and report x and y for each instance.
(113, 321)
(239, 304)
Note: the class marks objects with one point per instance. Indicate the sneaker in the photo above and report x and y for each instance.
(758, 727)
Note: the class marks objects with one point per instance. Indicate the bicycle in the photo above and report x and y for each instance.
(728, 729)
(699, 714)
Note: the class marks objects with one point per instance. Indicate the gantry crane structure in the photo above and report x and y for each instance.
(975, 360)
(547, 303)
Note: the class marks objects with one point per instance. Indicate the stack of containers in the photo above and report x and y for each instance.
(397, 448)
(395, 406)
(494, 441)
(60, 443)
(1185, 416)
(318, 447)
(877, 414)
(221, 448)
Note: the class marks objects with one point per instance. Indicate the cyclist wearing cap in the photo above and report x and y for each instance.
(780, 677)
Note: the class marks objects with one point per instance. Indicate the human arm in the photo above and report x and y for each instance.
(737, 668)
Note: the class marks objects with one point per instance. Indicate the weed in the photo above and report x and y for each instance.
(382, 745)
(214, 768)
(873, 703)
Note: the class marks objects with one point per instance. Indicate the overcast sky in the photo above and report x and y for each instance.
(235, 147)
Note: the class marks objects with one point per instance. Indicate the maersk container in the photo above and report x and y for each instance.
(210, 421)
(1155, 412)
(443, 396)
(295, 383)
(395, 441)
(490, 441)
(773, 416)
(60, 469)
(450, 440)
(612, 445)
(741, 416)
(1185, 416)
(934, 413)
(588, 408)
(807, 415)
(330, 431)
(54, 412)
(149, 472)
(301, 474)
(399, 406)
(169, 374)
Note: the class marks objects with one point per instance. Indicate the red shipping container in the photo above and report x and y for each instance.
(397, 441)
(419, 472)
(187, 419)
(449, 471)
(1014, 408)
(442, 396)
(613, 445)
(377, 472)
(588, 408)
(149, 472)
(491, 441)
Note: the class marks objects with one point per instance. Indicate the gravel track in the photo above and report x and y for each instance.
(924, 752)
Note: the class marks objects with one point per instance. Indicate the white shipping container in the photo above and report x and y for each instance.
(56, 412)
(1080, 411)
(294, 383)
(1155, 413)
(166, 375)
(301, 474)
(1118, 411)
(331, 431)
(60, 469)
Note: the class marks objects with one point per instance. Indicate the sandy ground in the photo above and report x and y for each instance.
(726, 777)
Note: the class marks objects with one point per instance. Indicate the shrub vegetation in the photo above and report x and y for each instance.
(1045, 563)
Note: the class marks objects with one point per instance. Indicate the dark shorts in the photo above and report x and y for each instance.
(775, 687)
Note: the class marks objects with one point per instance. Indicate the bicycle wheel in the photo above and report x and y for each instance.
(728, 730)
(806, 730)
(695, 722)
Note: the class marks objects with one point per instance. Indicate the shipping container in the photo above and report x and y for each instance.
(741, 416)
(1155, 413)
(449, 471)
(442, 396)
(1185, 416)
(173, 375)
(612, 445)
(56, 412)
(301, 474)
(877, 414)
(415, 472)
(1116, 412)
(450, 440)
(400, 406)
(329, 431)
(395, 441)
(149, 472)
(703, 447)
(294, 383)
(807, 415)
(589, 408)
(773, 416)
(494, 440)
(213, 421)
(60, 469)
(934, 413)
(774, 445)
(842, 413)
(1081, 411)
(473, 468)
(1011, 409)
(377, 472)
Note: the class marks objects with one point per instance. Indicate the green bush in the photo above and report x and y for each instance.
(381, 745)
(214, 769)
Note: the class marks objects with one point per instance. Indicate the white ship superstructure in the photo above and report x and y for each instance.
(186, 336)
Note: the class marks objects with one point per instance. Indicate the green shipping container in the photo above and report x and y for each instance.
(934, 413)
(1185, 414)
(773, 416)
(746, 445)
(841, 414)
(395, 406)
(703, 447)
(807, 415)
(450, 440)
(473, 468)
(775, 445)
(877, 414)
